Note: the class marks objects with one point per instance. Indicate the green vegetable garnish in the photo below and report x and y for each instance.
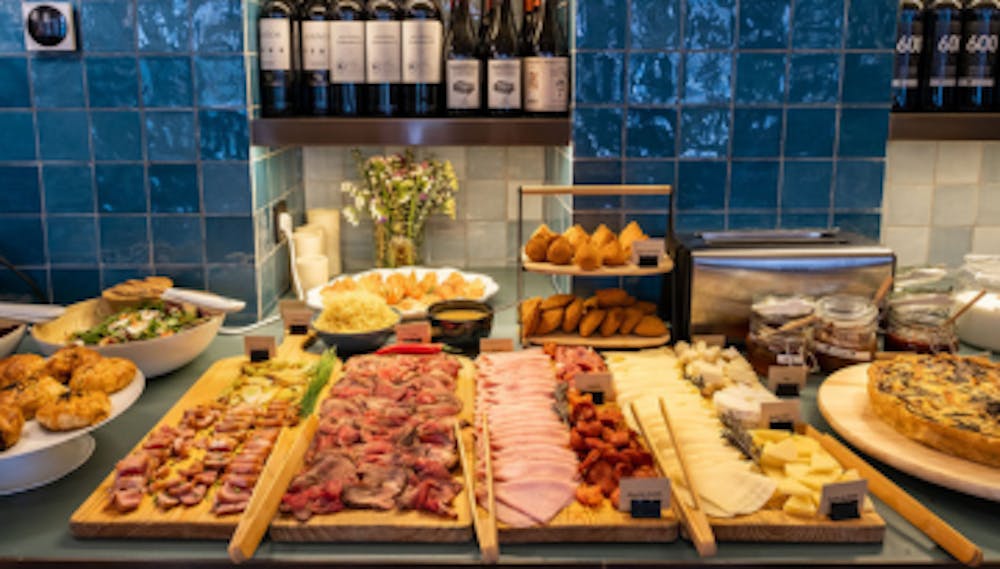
(320, 376)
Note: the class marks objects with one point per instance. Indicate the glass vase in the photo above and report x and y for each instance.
(395, 249)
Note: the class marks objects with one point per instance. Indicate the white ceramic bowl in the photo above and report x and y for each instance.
(10, 341)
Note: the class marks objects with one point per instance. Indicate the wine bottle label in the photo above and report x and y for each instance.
(422, 51)
(463, 81)
(275, 44)
(980, 51)
(315, 46)
(946, 43)
(546, 84)
(503, 83)
(909, 45)
(382, 49)
(347, 52)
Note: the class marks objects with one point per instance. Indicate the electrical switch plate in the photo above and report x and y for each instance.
(49, 26)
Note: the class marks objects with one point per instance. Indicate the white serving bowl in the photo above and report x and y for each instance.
(10, 340)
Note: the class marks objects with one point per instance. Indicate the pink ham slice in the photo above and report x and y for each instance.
(512, 517)
(541, 468)
(538, 498)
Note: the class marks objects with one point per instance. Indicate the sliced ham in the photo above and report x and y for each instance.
(538, 498)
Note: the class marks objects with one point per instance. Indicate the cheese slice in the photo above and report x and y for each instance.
(791, 487)
(800, 506)
(796, 470)
(823, 462)
(776, 454)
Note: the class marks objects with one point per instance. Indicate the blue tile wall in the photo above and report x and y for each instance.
(761, 113)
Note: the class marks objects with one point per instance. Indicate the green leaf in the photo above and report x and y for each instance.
(320, 377)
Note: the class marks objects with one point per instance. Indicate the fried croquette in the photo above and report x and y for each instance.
(591, 302)
(612, 321)
(591, 321)
(550, 321)
(557, 301)
(531, 314)
(571, 319)
(587, 257)
(613, 254)
(34, 393)
(560, 251)
(19, 367)
(611, 297)
(632, 317)
(646, 307)
(544, 233)
(537, 249)
(602, 236)
(631, 234)
(650, 326)
(74, 411)
(11, 425)
(107, 374)
(576, 236)
(64, 362)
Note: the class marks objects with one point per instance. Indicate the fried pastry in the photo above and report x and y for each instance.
(544, 233)
(530, 316)
(35, 393)
(631, 320)
(611, 297)
(576, 236)
(557, 301)
(107, 374)
(550, 321)
(602, 236)
(612, 321)
(74, 411)
(62, 363)
(19, 367)
(537, 249)
(560, 251)
(587, 257)
(591, 302)
(613, 254)
(571, 319)
(646, 307)
(631, 234)
(591, 321)
(11, 424)
(650, 326)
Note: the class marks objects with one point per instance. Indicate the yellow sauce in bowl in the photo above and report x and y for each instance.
(460, 315)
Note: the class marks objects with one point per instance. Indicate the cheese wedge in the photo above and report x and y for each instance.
(800, 506)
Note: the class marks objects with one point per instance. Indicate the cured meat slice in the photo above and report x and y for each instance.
(538, 498)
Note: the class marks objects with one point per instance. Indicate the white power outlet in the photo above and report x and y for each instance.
(49, 26)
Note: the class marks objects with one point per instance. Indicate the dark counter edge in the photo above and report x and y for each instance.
(353, 563)
(319, 131)
(944, 126)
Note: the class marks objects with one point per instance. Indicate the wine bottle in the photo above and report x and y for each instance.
(278, 73)
(909, 45)
(316, 57)
(463, 70)
(347, 57)
(422, 53)
(977, 66)
(503, 62)
(383, 72)
(546, 64)
(943, 24)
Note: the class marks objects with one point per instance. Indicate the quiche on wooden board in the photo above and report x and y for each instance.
(950, 403)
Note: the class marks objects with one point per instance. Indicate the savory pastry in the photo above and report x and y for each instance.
(947, 402)
(531, 315)
(537, 249)
(650, 326)
(74, 411)
(11, 424)
(590, 303)
(612, 321)
(613, 254)
(544, 233)
(560, 251)
(571, 319)
(646, 307)
(136, 291)
(590, 322)
(631, 319)
(576, 236)
(19, 367)
(631, 234)
(107, 374)
(557, 301)
(587, 257)
(64, 362)
(602, 236)
(34, 393)
(550, 321)
(611, 297)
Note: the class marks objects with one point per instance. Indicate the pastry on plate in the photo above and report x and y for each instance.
(74, 411)
(107, 374)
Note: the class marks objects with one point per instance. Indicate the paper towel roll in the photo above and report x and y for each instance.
(309, 240)
(329, 220)
(313, 271)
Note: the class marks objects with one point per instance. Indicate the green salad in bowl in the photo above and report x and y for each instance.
(155, 319)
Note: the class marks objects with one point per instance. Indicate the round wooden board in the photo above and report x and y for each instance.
(628, 270)
(843, 400)
(614, 342)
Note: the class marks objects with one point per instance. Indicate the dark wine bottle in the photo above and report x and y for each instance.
(316, 57)
(463, 70)
(347, 57)
(546, 64)
(528, 22)
(383, 72)
(977, 66)
(278, 72)
(943, 25)
(909, 45)
(423, 36)
(503, 62)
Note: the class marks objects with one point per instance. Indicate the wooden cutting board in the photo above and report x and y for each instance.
(94, 519)
(777, 526)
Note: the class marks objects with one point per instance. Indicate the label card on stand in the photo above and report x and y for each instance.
(259, 348)
(598, 385)
(418, 332)
(644, 497)
(496, 345)
(296, 316)
(843, 500)
(787, 381)
(709, 339)
(781, 415)
(648, 252)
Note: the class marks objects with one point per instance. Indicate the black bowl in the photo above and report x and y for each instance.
(350, 343)
(463, 333)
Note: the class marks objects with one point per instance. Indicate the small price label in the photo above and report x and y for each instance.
(787, 381)
(709, 339)
(843, 500)
(296, 315)
(598, 385)
(648, 252)
(259, 348)
(418, 332)
(496, 345)
(644, 497)
(781, 415)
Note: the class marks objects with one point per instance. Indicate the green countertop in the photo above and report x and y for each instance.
(34, 524)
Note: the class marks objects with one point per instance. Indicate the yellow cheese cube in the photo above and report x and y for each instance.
(801, 506)
(777, 454)
(761, 436)
(806, 445)
(816, 480)
(823, 462)
(791, 487)
(796, 470)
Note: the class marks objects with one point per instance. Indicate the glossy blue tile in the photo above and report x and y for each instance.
(755, 185)
(235, 281)
(121, 188)
(18, 141)
(871, 24)
(74, 285)
(867, 77)
(651, 133)
(600, 77)
(227, 187)
(11, 30)
(72, 239)
(760, 78)
(597, 133)
(655, 24)
(814, 78)
(177, 239)
(21, 240)
(108, 25)
(62, 135)
(229, 240)
(819, 24)
(591, 221)
(20, 190)
(58, 83)
(653, 78)
(807, 185)
(113, 276)
(650, 203)
(68, 189)
(221, 81)
(594, 203)
(694, 222)
(597, 171)
(170, 135)
(752, 220)
(867, 224)
(764, 24)
(166, 81)
(757, 132)
(253, 64)
(810, 132)
(14, 289)
(863, 132)
(709, 24)
(164, 26)
(649, 172)
(218, 25)
(116, 135)
(183, 275)
(225, 135)
(701, 186)
(124, 240)
(654, 224)
(707, 77)
(804, 220)
(173, 188)
(113, 82)
(644, 289)
(601, 24)
(859, 184)
(704, 132)
(14, 82)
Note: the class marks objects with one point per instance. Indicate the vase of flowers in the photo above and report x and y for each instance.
(399, 194)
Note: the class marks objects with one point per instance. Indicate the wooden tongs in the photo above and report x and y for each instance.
(486, 529)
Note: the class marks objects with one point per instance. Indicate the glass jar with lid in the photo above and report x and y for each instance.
(780, 331)
(980, 325)
(918, 322)
(847, 331)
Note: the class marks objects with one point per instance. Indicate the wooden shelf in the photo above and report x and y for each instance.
(944, 126)
(628, 270)
(313, 131)
(614, 342)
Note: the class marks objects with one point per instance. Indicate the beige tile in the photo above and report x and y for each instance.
(526, 163)
(948, 245)
(989, 205)
(991, 162)
(955, 206)
(905, 204)
(485, 200)
(532, 204)
(909, 162)
(986, 240)
(486, 162)
(445, 243)
(909, 243)
(484, 243)
(958, 162)
(322, 193)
